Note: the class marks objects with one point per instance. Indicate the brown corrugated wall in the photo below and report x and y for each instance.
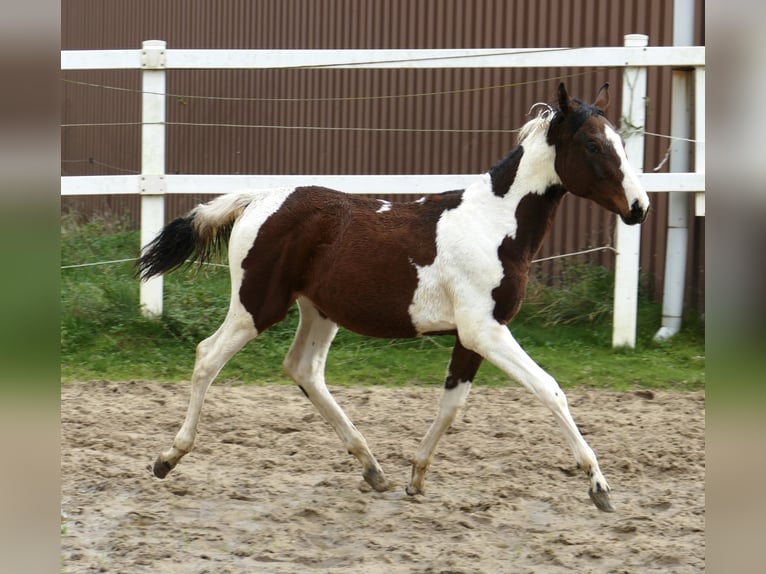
(375, 99)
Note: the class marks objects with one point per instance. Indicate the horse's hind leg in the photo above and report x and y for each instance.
(305, 363)
(212, 354)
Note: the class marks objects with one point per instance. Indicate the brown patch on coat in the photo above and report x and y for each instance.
(356, 265)
(462, 366)
(534, 217)
(504, 172)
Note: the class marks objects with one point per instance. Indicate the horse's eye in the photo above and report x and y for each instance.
(591, 146)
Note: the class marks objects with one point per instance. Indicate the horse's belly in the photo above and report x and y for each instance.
(368, 320)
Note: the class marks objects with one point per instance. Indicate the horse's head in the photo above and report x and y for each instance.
(591, 160)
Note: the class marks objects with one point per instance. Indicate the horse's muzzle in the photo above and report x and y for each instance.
(637, 214)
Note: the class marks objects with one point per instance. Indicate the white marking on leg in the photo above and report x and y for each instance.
(305, 364)
(452, 400)
(212, 354)
(497, 345)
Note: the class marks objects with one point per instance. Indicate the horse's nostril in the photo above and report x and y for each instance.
(637, 213)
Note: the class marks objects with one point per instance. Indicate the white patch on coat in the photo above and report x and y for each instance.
(264, 203)
(385, 207)
(458, 284)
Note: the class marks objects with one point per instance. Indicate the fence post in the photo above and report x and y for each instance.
(627, 238)
(152, 163)
(677, 240)
(699, 135)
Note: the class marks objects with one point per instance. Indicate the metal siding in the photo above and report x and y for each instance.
(310, 24)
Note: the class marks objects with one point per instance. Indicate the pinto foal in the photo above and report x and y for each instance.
(454, 263)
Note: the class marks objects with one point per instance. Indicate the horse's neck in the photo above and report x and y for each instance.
(530, 187)
(534, 216)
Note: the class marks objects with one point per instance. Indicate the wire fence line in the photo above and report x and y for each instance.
(207, 263)
(306, 128)
(339, 129)
(457, 91)
(430, 58)
(94, 161)
(80, 265)
(246, 99)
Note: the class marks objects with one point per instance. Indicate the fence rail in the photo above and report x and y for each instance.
(367, 184)
(640, 56)
(154, 59)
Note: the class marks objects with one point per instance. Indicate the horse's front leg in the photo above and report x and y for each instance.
(495, 343)
(462, 369)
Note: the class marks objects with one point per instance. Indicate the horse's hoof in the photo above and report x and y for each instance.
(413, 490)
(376, 479)
(161, 468)
(601, 499)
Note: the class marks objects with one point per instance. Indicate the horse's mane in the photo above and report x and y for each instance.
(539, 123)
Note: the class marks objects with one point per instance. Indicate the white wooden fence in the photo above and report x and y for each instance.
(152, 184)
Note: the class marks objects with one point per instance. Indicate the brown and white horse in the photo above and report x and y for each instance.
(454, 263)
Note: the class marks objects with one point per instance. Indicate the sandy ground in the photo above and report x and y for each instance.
(269, 488)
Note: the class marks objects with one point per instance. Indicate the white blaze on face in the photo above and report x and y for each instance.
(634, 191)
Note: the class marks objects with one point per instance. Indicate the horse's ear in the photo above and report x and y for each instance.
(563, 98)
(602, 99)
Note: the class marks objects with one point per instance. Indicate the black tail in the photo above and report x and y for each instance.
(196, 236)
(174, 246)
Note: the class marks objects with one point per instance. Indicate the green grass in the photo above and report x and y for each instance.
(567, 330)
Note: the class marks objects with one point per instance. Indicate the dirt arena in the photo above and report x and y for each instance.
(269, 487)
